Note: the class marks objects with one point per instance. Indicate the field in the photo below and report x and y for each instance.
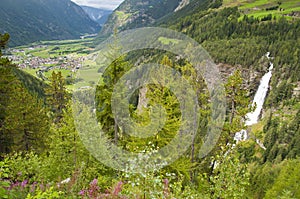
(262, 8)
(65, 56)
(52, 49)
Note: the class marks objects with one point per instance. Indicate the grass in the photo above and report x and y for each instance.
(51, 49)
(257, 8)
(89, 75)
(31, 71)
(64, 72)
(122, 16)
(70, 48)
(60, 50)
(167, 41)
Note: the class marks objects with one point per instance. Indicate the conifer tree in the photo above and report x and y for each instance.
(26, 122)
(6, 81)
(238, 105)
(57, 96)
(3, 42)
(23, 120)
(104, 91)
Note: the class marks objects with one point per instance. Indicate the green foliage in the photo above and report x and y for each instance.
(23, 120)
(282, 138)
(134, 14)
(229, 178)
(24, 166)
(231, 38)
(262, 178)
(34, 85)
(104, 93)
(242, 40)
(3, 189)
(238, 105)
(47, 194)
(3, 42)
(26, 122)
(287, 182)
(57, 95)
(158, 185)
(4, 185)
(5, 87)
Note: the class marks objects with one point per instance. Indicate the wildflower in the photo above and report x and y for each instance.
(82, 192)
(93, 190)
(94, 182)
(32, 187)
(13, 185)
(118, 188)
(24, 183)
(166, 188)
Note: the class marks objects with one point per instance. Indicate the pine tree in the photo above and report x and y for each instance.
(23, 120)
(3, 42)
(104, 92)
(7, 80)
(238, 105)
(65, 147)
(57, 96)
(26, 122)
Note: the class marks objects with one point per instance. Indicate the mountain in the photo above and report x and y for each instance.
(140, 13)
(33, 20)
(97, 14)
(256, 47)
(238, 35)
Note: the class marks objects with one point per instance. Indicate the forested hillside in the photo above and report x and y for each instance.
(29, 21)
(44, 153)
(240, 40)
(137, 13)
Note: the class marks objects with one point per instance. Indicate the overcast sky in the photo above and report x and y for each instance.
(107, 4)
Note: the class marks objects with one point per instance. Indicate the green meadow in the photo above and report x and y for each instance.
(73, 49)
(263, 8)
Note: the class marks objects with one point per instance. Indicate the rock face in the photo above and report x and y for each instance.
(138, 13)
(28, 21)
(143, 101)
(182, 4)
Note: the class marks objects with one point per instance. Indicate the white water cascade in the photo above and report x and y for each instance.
(258, 102)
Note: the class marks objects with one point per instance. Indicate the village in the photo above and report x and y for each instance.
(28, 58)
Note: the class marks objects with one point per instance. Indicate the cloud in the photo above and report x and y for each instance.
(107, 4)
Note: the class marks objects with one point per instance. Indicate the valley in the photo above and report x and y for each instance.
(81, 116)
(41, 59)
(32, 21)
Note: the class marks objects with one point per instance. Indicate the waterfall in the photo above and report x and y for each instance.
(258, 102)
(259, 98)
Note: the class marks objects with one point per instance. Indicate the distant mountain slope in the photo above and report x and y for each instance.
(32, 20)
(97, 14)
(140, 13)
(185, 9)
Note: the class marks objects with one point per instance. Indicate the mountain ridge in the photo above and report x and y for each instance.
(33, 20)
(138, 13)
(97, 14)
